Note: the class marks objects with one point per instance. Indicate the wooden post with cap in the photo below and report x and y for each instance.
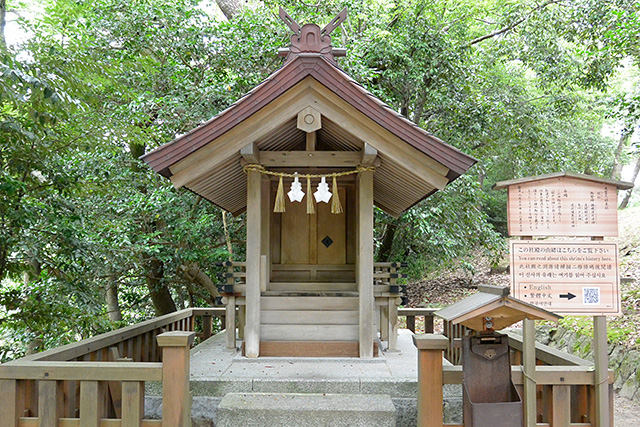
(176, 399)
(430, 348)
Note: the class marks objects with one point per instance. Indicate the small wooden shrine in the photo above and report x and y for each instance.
(309, 259)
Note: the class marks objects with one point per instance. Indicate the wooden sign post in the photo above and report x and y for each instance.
(575, 277)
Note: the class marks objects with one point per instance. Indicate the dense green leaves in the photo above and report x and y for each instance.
(516, 84)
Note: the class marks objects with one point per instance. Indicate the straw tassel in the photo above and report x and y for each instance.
(279, 204)
(310, 208)
(336, 206)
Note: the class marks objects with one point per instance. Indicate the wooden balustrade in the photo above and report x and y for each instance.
(115, 349)
(137, 342)
(565, 394)
(78, 394)
(564, 384)
(412, 313)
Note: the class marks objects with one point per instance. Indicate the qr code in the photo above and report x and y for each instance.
(591, 295)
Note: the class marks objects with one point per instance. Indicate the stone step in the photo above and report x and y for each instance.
(309, 410)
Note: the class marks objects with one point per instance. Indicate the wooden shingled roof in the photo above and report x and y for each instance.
(413, 163)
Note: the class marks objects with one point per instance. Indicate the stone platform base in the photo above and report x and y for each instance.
(310, 410)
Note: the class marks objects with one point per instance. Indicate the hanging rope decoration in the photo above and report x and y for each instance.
(296, 194)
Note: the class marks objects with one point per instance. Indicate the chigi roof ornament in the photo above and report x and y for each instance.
(311, 39)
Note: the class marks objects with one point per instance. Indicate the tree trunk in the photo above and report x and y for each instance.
(229, 8)
(636, 171)
(29, 275)
(617, 161)
(227, 236)
(3, 23)
(113, 306)
(192, 273)
(384, 253)
(158, 291)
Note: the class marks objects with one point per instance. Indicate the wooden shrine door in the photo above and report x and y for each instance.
(309, 247)
(313, 239)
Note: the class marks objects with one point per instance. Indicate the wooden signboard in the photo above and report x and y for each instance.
(567, 277)
(562, 206)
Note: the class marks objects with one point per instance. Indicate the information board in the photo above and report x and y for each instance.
(562, 206)
(567, 277)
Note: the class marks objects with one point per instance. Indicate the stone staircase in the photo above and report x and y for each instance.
(309, 410)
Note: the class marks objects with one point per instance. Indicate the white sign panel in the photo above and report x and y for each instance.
(567, 277)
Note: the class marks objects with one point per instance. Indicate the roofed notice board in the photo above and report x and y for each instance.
(562, 206)
(567, 277)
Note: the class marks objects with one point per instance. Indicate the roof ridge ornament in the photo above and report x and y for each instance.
(311, 39)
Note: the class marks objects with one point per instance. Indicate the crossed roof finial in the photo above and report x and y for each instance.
(311, 39)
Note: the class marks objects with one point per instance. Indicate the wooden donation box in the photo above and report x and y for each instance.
(489, 396)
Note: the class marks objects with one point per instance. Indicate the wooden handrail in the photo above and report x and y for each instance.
(113, 338)
(73, 350)
(90, 394)
(76, 371)
(546, 354)
(545, 375)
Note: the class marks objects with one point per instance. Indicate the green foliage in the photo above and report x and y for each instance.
(99, 83)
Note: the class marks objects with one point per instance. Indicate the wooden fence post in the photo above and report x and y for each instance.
(529, 370)
(430, 348)
(9, 413)
(601, 356)
(176, 399)
(206, 327)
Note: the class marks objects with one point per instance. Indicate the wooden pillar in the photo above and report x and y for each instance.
(601, 358)
(430, 349)
(176, 399)
(265, 227)
(393, 324)
(254, 247)
(230, 325)
(384, 323)
(241, 317)
(529, 369)
(364, 267)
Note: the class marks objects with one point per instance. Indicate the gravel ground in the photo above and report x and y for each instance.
(626, 412)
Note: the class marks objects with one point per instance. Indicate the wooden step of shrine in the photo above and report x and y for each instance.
(304, 318)
(312, 286)
(309, 293)
(309, 303)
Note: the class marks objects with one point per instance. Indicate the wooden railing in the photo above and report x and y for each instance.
(565, 384)
(412, 313)
(93, 394)
(104, 374)
(136, 342)
(565, 394)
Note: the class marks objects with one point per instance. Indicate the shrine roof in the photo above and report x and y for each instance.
(621, 185)
(310, 74)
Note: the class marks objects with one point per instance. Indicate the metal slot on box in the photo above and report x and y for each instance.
(489, 396)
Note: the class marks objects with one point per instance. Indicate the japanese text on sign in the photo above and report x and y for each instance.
(567, 277)
(562, 207)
